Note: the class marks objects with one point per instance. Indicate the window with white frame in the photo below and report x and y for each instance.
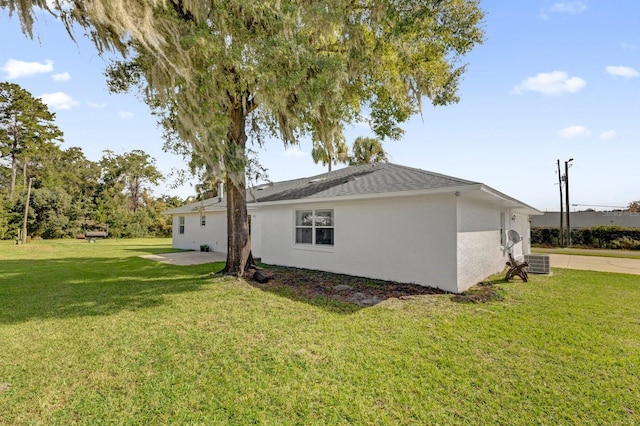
(203, 220)
(181, 225)
(314, 227)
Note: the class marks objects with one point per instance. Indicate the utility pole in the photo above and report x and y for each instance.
(561, 237)
(26, 213)
(566, 193)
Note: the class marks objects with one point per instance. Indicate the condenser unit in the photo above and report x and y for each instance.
(538, 263)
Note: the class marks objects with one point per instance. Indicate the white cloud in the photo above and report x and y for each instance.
(96, 105)
(571, 7)
(622, 71)
(126, 115)
(16, 69)
(627, 46)
(294, 152)
(552, 83)
(608, 135)
(572, 132)
(63, 76)
(58, 100)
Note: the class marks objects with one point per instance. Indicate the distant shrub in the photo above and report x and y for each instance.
(545, 236)
(605, 237)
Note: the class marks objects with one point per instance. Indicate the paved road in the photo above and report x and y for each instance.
(594, 263)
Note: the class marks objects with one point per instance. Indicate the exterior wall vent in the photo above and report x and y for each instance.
(538, 263)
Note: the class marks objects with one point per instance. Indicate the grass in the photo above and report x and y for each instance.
(93, 334)
(626, 254)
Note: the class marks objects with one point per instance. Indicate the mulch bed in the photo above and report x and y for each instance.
(307, 284)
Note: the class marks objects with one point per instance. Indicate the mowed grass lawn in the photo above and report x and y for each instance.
(94, 334)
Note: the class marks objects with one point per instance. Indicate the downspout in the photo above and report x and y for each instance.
(220, 191)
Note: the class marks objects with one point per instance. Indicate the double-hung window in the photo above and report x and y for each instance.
(314, 227)
(181, 225)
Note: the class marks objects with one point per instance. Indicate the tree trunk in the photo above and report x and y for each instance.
(14, 173)
(238, 243)
(134, 193)
(24, 171)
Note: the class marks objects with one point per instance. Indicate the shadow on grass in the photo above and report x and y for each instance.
(73, 287)
(336, 293)
(483, 292)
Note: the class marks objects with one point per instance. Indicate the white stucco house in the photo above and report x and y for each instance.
(382, 221)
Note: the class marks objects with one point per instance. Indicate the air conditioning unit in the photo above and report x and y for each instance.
(538, 263)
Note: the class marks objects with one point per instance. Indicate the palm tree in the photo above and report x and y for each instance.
(338, 152)
(367, 150)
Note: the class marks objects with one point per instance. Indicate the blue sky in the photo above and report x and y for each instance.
(553, 80)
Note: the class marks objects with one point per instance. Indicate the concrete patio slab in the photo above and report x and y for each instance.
(185, 258)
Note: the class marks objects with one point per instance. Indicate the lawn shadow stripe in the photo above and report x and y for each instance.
(72, 287)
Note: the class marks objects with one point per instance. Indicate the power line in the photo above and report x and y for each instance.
(598, 205)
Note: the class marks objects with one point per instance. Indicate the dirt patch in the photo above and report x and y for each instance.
(480, 293)
(307, 285)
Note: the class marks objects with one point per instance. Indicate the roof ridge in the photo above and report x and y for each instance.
(432, 173)
(318, 176)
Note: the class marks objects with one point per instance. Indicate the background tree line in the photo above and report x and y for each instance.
(70, 193)
(600, 237)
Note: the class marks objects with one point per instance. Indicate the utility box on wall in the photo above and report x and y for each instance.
(538, 263)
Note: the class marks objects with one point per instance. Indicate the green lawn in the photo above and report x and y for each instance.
(93, 334)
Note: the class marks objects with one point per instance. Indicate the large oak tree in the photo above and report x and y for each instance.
(281, 68)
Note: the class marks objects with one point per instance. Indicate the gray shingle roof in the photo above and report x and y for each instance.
(355, 180)
(367, 179)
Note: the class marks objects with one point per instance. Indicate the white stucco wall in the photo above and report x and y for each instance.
(214, 233)
(256, 234)
(404, 239)
(479, 253)
(444, 241)
(523, 227)
(478, 257)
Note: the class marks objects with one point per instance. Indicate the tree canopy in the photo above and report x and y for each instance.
(330, 155)
(290, 69)
(220, 72)
(368, 150)
(130, 172)
(70, 192)
(26, 128)
(68, 189)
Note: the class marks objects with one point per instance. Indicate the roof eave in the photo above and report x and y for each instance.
(200, 206)
(516, 205)
(377, 195)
